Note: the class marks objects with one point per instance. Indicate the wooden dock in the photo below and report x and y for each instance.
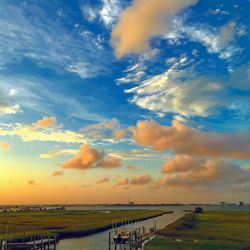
(36, 243)
(137, 239)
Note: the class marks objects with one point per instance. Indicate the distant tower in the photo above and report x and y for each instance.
(241, 204)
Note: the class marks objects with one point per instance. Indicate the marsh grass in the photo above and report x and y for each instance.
(213, 230)
(65, 224)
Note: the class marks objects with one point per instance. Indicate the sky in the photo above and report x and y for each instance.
(106, 101)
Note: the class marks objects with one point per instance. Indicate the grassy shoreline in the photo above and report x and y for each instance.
(67, 224)
(213, 230)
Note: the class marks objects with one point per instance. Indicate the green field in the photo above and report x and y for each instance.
(65, 223)
(213, 230)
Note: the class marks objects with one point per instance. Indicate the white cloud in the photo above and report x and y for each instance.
(13, 92)
(29, 133)
(53, 153)
(47, 99)
(219, 40)
(186, 92)
(110, 11)
(179, 91)
(9, 109)
(89, 13)
(5, 107)
(137, 72)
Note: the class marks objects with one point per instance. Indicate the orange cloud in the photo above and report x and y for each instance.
(91, 158)
(86, 185)
(119, 133)
(132, 168)
(143, 20)
(31, 182)
(181, 163)
(4, 146)
(141, 179)
(57, 173)
(184, 170)
(46, 122)
(186, 140)
(123, 181)
(103, 180)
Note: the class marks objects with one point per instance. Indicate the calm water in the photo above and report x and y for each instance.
(99, 241)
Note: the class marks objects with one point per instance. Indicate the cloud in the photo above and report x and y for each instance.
(187, 140)
(48, 99)
(182, 163)
(110, 11)
(105, 125)
(141, 179)
(182, 90)
(192, 171)
(101, 130)
(103, 180)
(91, 158)
(9, 109)
(4, 146)
(88, 12)
(53, 153)
(47, 39)
(132, 168)
(86, 185)
(30, 133)
(57, 173)
(143, 20)
(123, 181)
(12, 92)
(139, 154)
(31, 183)
(179, 90)
(6, 108)
(220, 40)
(107, 13)
(46, 122)
(118, 134)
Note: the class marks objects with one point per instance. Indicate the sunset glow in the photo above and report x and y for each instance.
(108, 101)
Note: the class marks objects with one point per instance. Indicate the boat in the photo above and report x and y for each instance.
(121, 237)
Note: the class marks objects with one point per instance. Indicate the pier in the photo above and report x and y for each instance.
(35, 243)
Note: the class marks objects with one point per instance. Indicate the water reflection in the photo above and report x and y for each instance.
(99, 241)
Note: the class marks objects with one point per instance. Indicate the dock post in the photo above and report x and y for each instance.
(48, 242)
(110, 238)
(55, 242)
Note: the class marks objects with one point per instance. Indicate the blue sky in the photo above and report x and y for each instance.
(59, 60)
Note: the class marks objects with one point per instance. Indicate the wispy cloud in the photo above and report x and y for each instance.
(47, 99)
(30, 133)
(220, 40)
(46, 39)
(107, 12)
(183, 90)
(7, 108)
(53, 153)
